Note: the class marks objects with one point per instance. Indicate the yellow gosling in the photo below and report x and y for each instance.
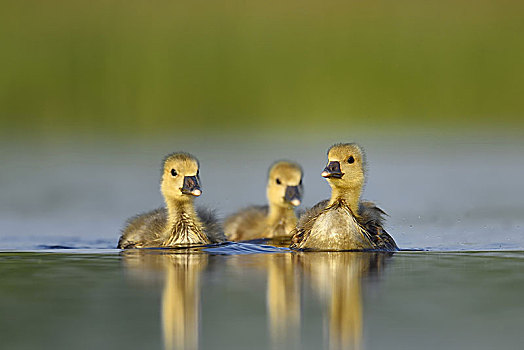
(344, 222)
(277, 219)
(178, 223)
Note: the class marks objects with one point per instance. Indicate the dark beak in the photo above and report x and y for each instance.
(191, 186)
(293, 195)
(332, 170)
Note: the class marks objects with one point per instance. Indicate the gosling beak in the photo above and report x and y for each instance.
(293, 195)
(191, 186)
(332, 170)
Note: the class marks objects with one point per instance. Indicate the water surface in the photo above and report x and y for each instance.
(442, 192)
(187, 300)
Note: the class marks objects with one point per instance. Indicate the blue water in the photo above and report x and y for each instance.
(441, 192)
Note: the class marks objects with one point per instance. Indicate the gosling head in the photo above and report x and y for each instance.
(180, 177)
(284, 184)
(345, 168)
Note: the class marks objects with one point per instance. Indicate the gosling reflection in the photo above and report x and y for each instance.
(336, 278)
(282, 293)
(283, 300)
(180, 306)
(181, 300)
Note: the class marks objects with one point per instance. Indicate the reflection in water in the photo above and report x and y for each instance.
(282, 293)
(283, 299)
(181, 291)
(336, 278)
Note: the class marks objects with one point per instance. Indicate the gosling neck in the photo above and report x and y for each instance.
(278, 213)
(350, 195)
(183, 224)
(176, 208)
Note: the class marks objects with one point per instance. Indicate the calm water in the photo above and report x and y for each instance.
(65, 286)
(155, 300)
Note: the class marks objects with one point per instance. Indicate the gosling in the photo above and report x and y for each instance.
(178, 223)
(343, 222)
(276, 220)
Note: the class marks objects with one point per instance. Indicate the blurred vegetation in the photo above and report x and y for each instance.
(149, 66)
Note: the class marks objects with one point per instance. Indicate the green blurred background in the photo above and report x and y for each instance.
(157, 67)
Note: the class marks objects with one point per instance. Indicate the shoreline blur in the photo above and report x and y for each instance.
(142, 68)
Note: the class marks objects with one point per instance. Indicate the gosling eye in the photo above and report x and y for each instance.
(278, 181)
(351, 160)
(198, 172)
(300, 183)
(173, 172)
